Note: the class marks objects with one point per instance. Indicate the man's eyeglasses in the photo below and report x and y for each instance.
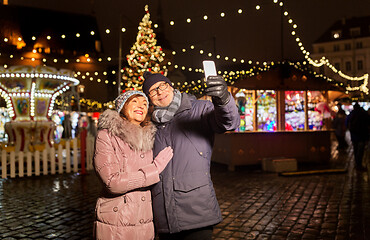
(154, 92)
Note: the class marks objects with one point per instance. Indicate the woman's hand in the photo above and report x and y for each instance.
(163, 158)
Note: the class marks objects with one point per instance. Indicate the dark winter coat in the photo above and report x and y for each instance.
(358, 122)
(185, 198)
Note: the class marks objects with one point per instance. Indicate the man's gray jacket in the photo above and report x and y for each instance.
(185, 198)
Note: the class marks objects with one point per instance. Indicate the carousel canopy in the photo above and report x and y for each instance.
(30, 92)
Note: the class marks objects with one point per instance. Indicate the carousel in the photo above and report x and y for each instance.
(30, 94)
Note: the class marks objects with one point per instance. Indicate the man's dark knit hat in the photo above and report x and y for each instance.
(153, 78)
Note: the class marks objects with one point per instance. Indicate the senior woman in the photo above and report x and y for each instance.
(124, 162)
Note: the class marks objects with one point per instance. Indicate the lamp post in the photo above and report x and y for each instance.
(119, 56)
(121, 31)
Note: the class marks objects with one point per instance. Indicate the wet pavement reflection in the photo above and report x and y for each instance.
(254, 204)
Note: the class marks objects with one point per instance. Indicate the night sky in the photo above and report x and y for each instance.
(253, 35)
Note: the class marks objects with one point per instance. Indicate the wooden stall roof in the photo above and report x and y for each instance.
(284, 76)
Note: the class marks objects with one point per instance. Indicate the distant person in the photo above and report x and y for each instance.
(67, 127)
(184, 201)
(339, 125)
(124, 162)
(91, 127)
(358, 124)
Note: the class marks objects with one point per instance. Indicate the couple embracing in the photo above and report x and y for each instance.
(159, 166)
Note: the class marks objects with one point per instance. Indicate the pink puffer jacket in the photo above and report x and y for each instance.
(123, 160)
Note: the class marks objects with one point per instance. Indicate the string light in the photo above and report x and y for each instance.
(363, 78)
(316, 63)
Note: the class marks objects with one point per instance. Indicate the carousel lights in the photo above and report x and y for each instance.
(52, 101)
(37, 75)
(32, 99)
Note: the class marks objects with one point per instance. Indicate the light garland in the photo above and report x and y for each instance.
(322, 61)
(188, 20)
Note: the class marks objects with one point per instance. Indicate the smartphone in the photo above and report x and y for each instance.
(209, 69)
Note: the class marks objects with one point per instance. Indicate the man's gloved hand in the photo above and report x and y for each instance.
(162, 159)
(217, 89)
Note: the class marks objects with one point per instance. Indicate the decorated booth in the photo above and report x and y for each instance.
(30, 93)
(284, 113)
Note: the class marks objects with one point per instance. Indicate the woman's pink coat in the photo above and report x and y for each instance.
(123, 160)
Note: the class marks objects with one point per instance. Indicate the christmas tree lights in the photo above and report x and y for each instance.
(144, 55)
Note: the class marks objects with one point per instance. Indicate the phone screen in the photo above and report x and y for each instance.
(209, 68)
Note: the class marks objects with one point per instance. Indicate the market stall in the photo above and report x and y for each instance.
(284, 113)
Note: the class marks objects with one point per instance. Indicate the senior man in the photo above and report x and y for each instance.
(184, 201)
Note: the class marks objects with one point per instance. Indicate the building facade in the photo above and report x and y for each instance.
(346, 44)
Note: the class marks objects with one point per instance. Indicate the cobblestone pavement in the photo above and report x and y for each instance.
(255, 204)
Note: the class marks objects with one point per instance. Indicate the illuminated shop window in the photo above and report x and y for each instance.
(244, 101)
(266, 110)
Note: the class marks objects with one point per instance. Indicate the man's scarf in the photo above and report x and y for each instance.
(165, 114)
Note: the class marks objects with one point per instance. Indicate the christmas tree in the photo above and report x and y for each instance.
(144, 55)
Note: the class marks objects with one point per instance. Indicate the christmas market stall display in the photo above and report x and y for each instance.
(30, 93)
(284, 113)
